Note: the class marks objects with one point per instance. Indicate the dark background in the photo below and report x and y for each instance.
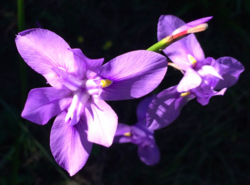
(207, 145)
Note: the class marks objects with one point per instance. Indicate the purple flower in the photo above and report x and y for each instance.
(203, 77)
(79, 86)
(140, 135)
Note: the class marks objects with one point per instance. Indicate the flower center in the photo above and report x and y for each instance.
(82, 91)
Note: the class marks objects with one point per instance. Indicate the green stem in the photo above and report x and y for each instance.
(159, 45)
(20, 15)
(16, 161)
(21, 27)
(162, 44)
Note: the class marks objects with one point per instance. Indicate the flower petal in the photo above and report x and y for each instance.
(178, 51)
(165, 108)
(190, 80)
(93, 64)
(140, 133)
(204, 99)
(44, 103)
(121, 132)
(69, 144)
(102, 122)
(42, 49)
(167, 24)
(209, 70)
(134, 74)
(230, 69)
(149, 154)
(142, 107)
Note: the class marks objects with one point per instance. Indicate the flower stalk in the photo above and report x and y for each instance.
(162, 44)
(21, 27)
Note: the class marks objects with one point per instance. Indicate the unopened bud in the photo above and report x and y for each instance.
(199, 28)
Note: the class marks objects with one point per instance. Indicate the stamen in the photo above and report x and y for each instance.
(174, 66)
(185, 94)
(191, 60)
(128, 134)
(106, 83)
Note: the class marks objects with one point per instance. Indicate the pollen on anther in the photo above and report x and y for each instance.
(191, 59)
(185, 94)
(128, 134)
(106, 83)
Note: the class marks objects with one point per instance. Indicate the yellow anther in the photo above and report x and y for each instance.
(128, 134)
(106, 83)
(185, 94)
(191, 59)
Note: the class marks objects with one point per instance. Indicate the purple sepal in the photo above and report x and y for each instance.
(44, 103)
(149, 154)
(230, 69)
(142, 107)
(102, 123)
(92, 64)
(133, 74)
(120, 134)
(42, 49)
(165, 108)
(190, 80)
(69, 144)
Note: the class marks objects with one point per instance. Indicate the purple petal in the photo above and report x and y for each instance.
(102, 123)
(179, 50)
(143, 107)
(204, 99)
(209, 61)
(230, 69)
(134, 74)
(167, 24)
(68, 80)
(165, 108)
(209, 70)
(190, 80)
(44, 103)
(69, 144)
(149, 154)
(42, 49)
(93, 64)
(120, 134)
(140, 133)
(122, 129)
